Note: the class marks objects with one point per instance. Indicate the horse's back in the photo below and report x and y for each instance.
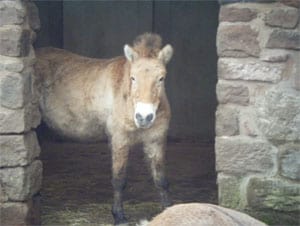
(76, 97)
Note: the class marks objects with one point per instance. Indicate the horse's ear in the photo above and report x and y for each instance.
(130, 54)
(166, 54)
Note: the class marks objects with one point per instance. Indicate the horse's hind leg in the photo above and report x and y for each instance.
(119, 165)
(155, 152)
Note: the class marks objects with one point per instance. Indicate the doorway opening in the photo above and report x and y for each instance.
(76, 181)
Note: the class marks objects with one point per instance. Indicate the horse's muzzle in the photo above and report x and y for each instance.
(144, 115)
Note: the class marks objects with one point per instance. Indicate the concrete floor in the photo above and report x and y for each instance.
(77, 190)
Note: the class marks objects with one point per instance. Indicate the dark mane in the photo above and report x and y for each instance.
(147, 45)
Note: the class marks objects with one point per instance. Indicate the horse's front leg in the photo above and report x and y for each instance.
(119, 166)
(155, 152)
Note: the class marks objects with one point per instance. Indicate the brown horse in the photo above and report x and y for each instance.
(124, 97)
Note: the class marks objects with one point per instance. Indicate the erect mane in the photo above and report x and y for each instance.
(147, 45)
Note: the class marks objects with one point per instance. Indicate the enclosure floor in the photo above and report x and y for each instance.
(77, 190)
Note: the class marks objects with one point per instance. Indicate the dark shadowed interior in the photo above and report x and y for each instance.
(76, 181)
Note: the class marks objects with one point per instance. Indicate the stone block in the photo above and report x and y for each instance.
(292, 3)
(275, 194)
(274, 55)
(14, 213)
(35, 213)
(232, 93)
(223, 2)
(226, 121)
(290, 161)
(19, 120)
(14, 89)
(18, 150)
(241, 155)
(238, 40)
(13, 121)
(236, 14)
(247, 122)
(3, 195)
(33, 16)
(20, 213)
(296, 83)
(11, 12)
(278, 114)
(229, 192)
(12, 64)
(286, 39)
(14, 41)
(292, 71)
(17, 64)
(21, 183)
(285, 17)
(249, 70)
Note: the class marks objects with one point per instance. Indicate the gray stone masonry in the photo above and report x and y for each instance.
(284, 39)
(286, 17)
(258, 118)
(238, 40)
(11, 12)
(14, 41)
(242, 155)
(289, 161)
(227, 121)
(18, 150)
(20, 169)
(257, 121)
(276, 194)
(229, 92)
(236, 14)
(249, 69)
(21, 183)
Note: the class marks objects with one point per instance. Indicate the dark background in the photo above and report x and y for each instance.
(101, 28)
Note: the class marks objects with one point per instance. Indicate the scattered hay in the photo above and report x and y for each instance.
(96, 214)
(77, 186)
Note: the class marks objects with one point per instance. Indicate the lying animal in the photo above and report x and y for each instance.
(201, 214)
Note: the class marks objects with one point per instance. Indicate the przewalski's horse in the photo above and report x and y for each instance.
(124, 97)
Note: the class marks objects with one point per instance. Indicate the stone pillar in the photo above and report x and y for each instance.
(258, 116)
(20, 168)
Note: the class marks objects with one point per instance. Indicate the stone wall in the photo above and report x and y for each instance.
(257, 120)
(20, 169)
(258, 116)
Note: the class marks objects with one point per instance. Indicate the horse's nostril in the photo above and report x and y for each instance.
(139, 117)
(149, 117)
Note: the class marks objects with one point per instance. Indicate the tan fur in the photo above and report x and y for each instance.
(201, 214)
(84, 99)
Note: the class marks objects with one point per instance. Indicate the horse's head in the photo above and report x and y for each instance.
(147, 75)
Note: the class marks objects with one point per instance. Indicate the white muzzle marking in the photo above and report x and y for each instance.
(144, 114)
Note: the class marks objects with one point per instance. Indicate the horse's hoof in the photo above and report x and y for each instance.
(167, 204)
(119, 217)
(121, 222)
(165, 201)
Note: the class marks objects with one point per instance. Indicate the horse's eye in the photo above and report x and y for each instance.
(132, 79)
(161, 79)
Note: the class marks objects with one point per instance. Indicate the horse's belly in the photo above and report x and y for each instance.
(77, 129)
(73, 122)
